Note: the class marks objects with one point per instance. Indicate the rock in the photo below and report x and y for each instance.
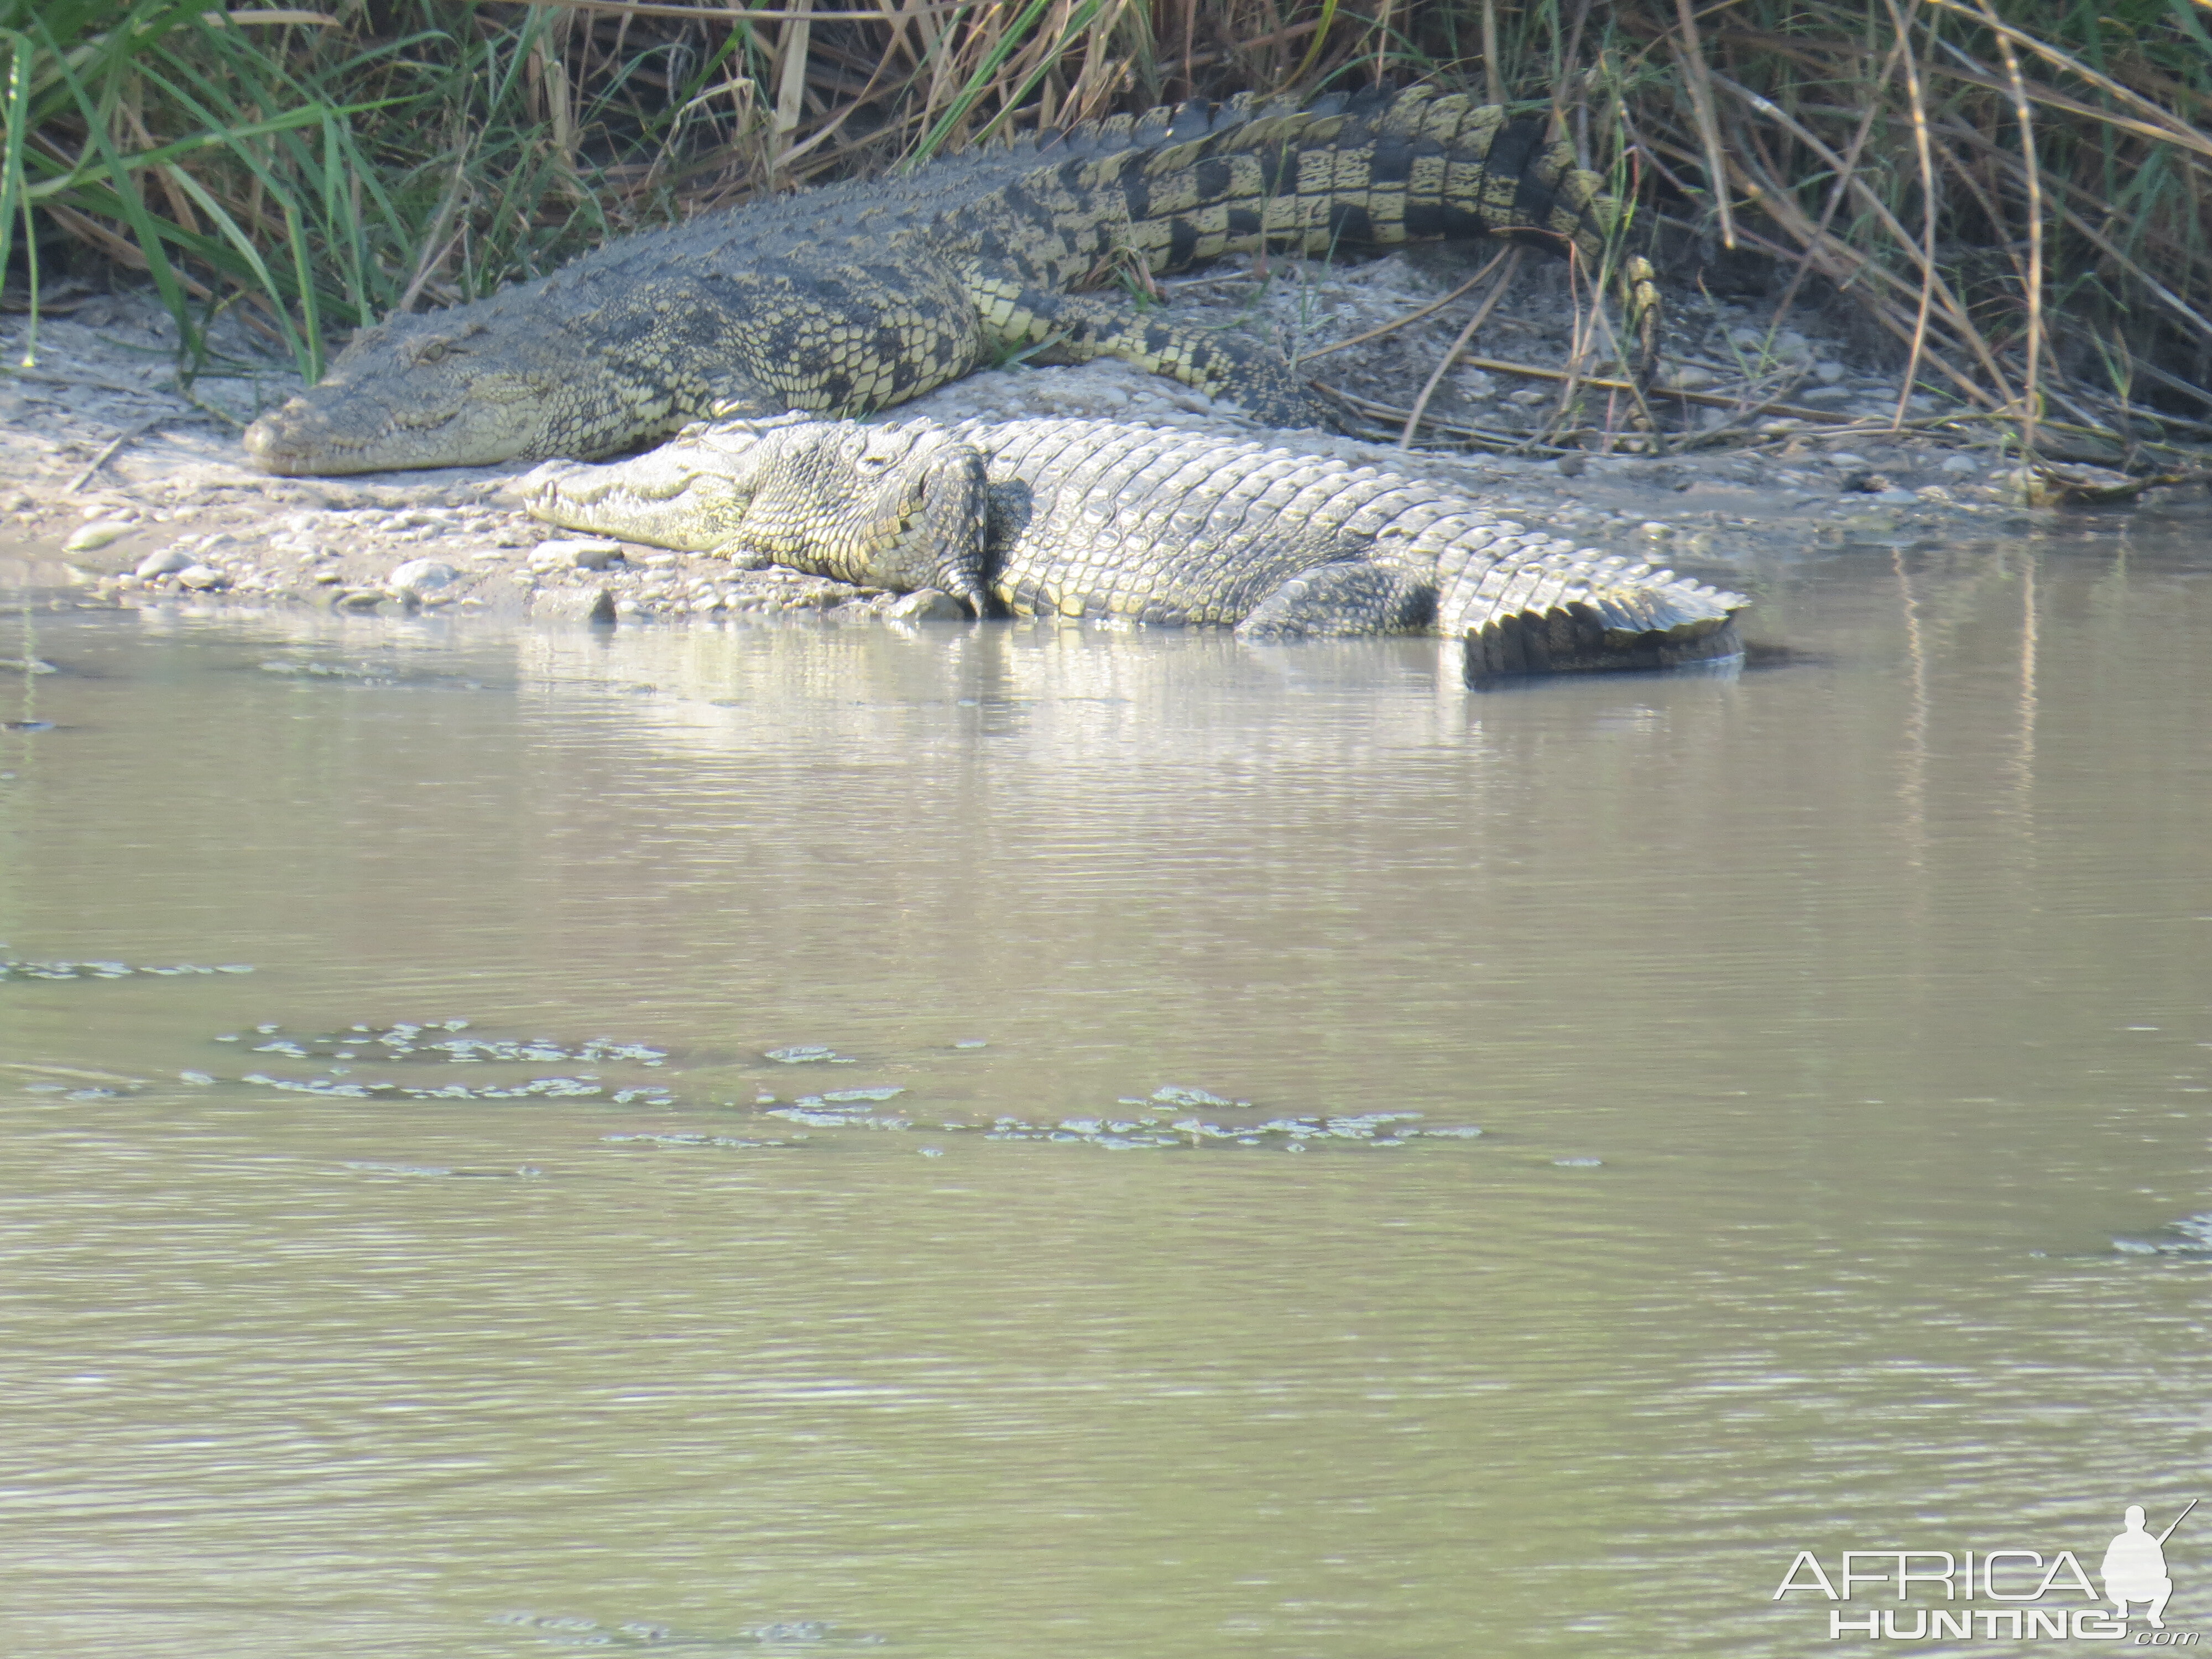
(167, 562)
(1960, 463)
(421, 576)
(1828, 373)
(202, 578)
(97, 534)
(927, 604)
(576, 555)
(1688, 377)
(583, 604)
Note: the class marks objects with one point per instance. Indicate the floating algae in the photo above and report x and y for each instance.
(2190, 1237)
(569, 1630)
(1149, 1126)
(415, 1045)
(15, 968)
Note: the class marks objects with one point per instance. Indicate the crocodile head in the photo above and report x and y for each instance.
(899, 507)
(430, 391)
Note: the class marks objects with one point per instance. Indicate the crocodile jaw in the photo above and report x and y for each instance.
(327, 430)
(438, 391)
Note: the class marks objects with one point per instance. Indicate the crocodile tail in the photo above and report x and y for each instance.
(1639, 307)
(1380, 167)
(1579, 611)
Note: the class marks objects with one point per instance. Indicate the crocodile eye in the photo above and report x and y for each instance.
(863, 460)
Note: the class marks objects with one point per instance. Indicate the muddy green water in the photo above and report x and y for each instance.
(1878, 985)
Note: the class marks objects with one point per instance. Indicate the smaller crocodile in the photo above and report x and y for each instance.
(1097, 520)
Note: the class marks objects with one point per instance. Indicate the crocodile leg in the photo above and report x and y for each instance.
(1350, 597)
(1076, 328)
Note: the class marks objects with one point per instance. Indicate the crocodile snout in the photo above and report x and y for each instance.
(270, 442)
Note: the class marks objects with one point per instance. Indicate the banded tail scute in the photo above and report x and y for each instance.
(1377, 168)
(1563, 610)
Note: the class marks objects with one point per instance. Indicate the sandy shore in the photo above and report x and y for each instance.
(134, 492)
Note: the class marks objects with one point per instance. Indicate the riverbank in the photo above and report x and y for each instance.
(134, 490)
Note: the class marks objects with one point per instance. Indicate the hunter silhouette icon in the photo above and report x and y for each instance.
(2134, 1567)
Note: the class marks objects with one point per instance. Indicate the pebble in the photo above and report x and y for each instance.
(202, 577)
(167, 563)
(577, 554)
(1960, 463)
(96, 534)
(927, 604)
(581, 605)
(422, 576)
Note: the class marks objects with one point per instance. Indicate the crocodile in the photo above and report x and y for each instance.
(856, 297)
(1102, 520)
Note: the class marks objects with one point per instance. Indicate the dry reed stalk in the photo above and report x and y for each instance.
(1512, 263)
(789, 68)
(1492, 81)
(2163, 123)
(1928, 279)
(1690, 56)
(1841, 186)
(1932, 290)
(430, 261)
(2183, 311)
(1411, 317)
(2033, 172)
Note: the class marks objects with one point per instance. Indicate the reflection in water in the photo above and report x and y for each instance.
(589, 1261)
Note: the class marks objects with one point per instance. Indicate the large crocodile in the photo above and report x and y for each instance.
(1092, 519)
(859, 295)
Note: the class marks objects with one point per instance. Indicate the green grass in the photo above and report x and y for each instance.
(318, 171)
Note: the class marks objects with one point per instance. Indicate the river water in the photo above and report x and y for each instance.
(1826, 1025)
